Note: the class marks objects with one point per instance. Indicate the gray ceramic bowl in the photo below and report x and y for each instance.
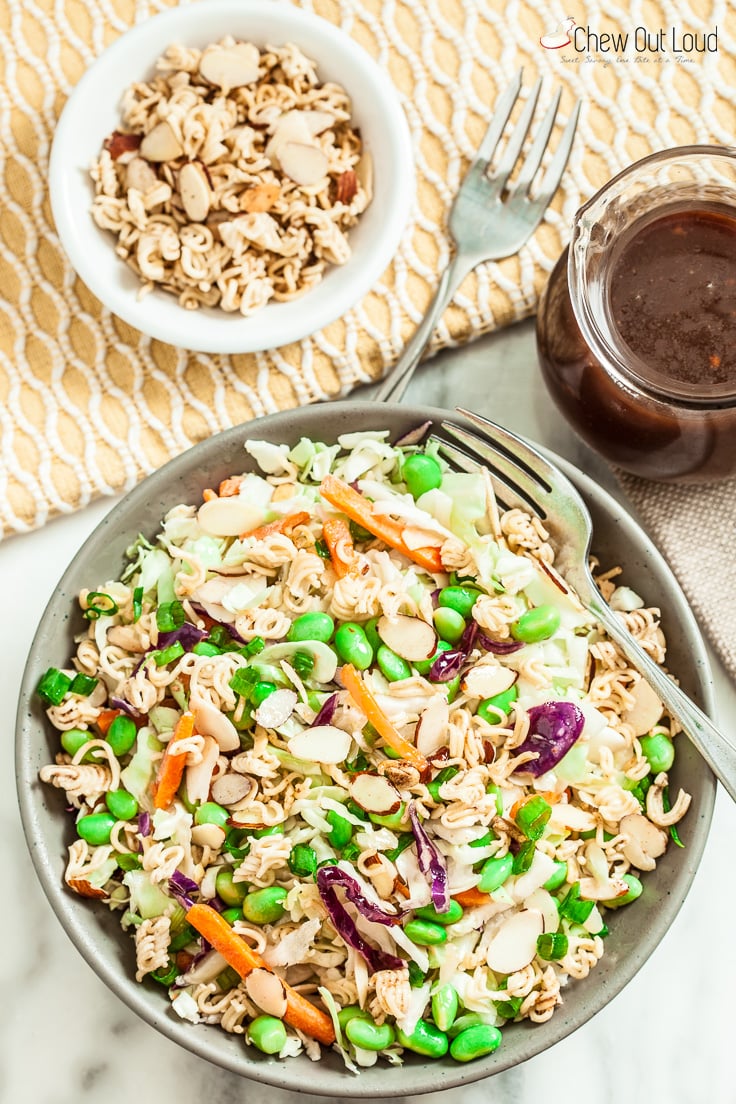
(635, 932)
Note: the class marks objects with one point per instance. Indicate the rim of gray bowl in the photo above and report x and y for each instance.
(96, 932)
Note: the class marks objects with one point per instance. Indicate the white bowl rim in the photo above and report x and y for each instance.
(277, 324)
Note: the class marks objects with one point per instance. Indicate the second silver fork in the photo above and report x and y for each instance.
(488, 220)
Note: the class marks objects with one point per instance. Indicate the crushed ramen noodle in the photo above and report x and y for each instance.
(234, 177)
(352, 763)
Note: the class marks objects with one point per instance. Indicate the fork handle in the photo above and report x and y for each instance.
(396, 382)
(714, 746)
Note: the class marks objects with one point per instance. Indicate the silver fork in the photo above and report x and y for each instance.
(488, 221)
(522, 477)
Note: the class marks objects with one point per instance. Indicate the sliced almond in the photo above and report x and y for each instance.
(566, 816)
(364, 173)
(161, 144)
(381, 872)
(127, 637)
(645, 843)
(314, 122)
(199, 775)
(544, 902)
(267, 991)
(211, 722)
(140, 175)
(375, 794)
(607, 890)
(194, 190)
(290, 127)
(488, 679)
(646, 709)
(84, 889)
(347, 186)
(515, 944)
(257, 200)
(431, 731)
(119, 143)
(410, 637)
(230, 66)
(276, 709)
(208, 835)
(230, 788)
(229, 517)
(403, 775)
(305, 165)
(321, 744)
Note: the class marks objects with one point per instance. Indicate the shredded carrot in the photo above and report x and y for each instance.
(208, 494)
(300, 1013)
(280, 525)
(230, 487)
(360, 510)
(105, 719)
(171, 767)
(515, 808)
(471, 897)
(365, 701)
(340, 545)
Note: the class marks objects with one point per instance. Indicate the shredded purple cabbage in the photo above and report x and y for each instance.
(330, 876)
(182, 887)
(327, 712)
(344, 924)
(187, 635)
(498, 647)
(435, 596)
(468, 640)
(554, 727)
(120, 703)
(431, 863)
(447, 665)
(144, 824)
(225, 624)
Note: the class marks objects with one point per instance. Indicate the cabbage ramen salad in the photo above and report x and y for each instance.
(351, 762)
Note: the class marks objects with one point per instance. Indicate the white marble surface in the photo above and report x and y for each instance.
(65, 1038)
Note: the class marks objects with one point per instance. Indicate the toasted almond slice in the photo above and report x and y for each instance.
(267, 991)
(347, 187)
(161, 144)
(321, 744)
(645, 843)
(314, 122)
(276, 709)
(410, 637)
(84, 889)
(140, 175)
(488, 679)
(199, 775)
(231, 788)
(211, 722)
(230, 66)
(304, 164)
(646, 709)
(375, 794)
(290, 127)
(255, 201)
(544, 902)
(194, 190)
(208, 835)
(431, 733)
(229, 517)
(515, 943)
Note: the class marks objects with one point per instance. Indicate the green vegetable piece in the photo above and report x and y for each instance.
(634, 891)
(423, 666)
(536, 624)
(264, 906)
(421, 473)
(524, 857)
(459, 598)
(341, 830)
(243, 681)
(444, 776)
(354, 808)
(128, 861)
(137, 603)
(53, 686)
(367, 1035)
(425, 1039)
(95, 828)
(391, 665)
(261, 691)
(170, 616)
(121, 804)
(75, 738)
(351, 1012)
(122, 734)
(445, 1004)
(358, 533)
(303, 663)
(495, 709)
(485, 839)
(211, 813)
(406, 839)
(253, 647)
(469, 1019)
(228, 979)
(233, 913)
(557, 878)
(416, 975)
(509, 1009)
(552, 945)
(206, 648)
(232, 893)
(351, 645)
(272, 830)
(166, 975)
(574, 908)
(429, 912)
(658, 750)
(183, 938)
(303, 861)
(475, 1042)
(370, 628)
(267, 1034)
(166, 656)
(494, 873)
(449, 623)
(424, 933)
(532, 817)
(320, 547)
(396, 821)
(351, 852)
(99, 604)
(312, 626)
(83, 685)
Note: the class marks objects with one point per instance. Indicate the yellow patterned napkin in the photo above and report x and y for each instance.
(88, 406)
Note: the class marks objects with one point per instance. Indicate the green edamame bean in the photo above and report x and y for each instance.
(658, 750)
(536, 624)
(232, 893)
(95, 828)
(121, 804)
(475, 1042)
(351, 645)
(496, 708)
(469, 1019)
(264, 906)
(397, 820)
(312, 626)
(272, 830)
(557, 878)
(444, 776)
(370, 628)
(122, 734)
(421, 473)
(267, 1034)
(391, 665)
(452, 688)
(261, 691)
(445, 1004)
(341, 830)
(345, 1015)
(73, 739)
(424, 933)
(231, 914)
(429, 912)
(459, 598)
(494, 873)
(423, 666)
(211, 813)
(425, 1039)
(449, 623)
(367, 1035)
(634, 891)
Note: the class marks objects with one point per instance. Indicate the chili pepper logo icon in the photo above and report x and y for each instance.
(559, 37)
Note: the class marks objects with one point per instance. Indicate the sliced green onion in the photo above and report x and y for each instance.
(126, 860)
(484, 840)
(220, 637)
(524, 857)
(243, 681)
(303, 860)
(168, 655)
(228, 979)
(552, 946)
(444, 776)
(170, 616)
(667, 805)
(573, 907)
(532, 817)
(53, 686)
(303, 664)
(320, 547)
(358, 533)
(99, 604)
(351, 851)
(509, 1008)
(83, 685)
(416, 975)
(492, 788)
(205, 648)
(356, 765)
(406, 839)
(137, 602)
(256, 645)
(166, 975)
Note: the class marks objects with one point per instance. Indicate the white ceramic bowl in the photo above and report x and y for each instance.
(93, 112)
